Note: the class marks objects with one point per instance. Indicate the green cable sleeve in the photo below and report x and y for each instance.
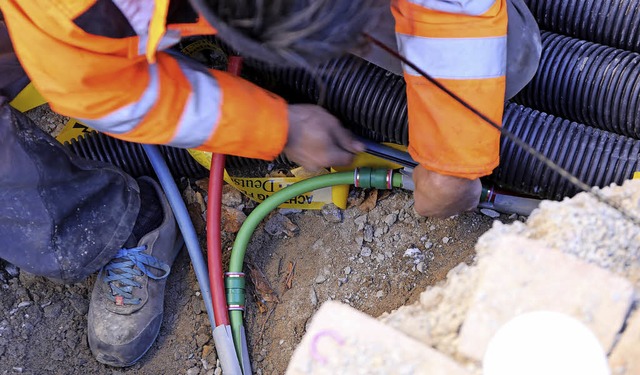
(396, 181)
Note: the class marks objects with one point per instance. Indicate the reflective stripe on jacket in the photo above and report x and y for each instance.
(461, 43)
(105, 62)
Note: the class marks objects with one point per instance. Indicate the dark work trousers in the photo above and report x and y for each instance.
(61, 216)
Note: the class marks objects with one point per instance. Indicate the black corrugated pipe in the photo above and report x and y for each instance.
(587, 82)
(595, 156)
(368, 99)
(370, 94)
(611, 22)
(131, 158)
(373, 100)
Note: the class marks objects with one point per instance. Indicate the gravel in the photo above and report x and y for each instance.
(588, 229)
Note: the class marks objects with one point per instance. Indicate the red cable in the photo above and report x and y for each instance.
(214, 242)
(214, 211)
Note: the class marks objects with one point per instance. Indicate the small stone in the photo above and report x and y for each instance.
(203, 184)
(489, 212)
(313, 297)
(80, 305)
(206, 350)
(289, 211)
(318, 245)
(232, 219)
(390, 219)
(12, 270)
(331, 213)
(218, 371)
(388, 254)
(365, 252)
(412, 253)
(320, 279)
(359, 240)
(380, 294)
(202, 339)
(428, 245)
(198, 306)
(379, 257)
(360, 221)
(513, 216)
(380, 231)
(368, 233)
(205, 364)
(57, 354)
(275, 225)
(420, 267)
(193, 371)
(281, 342)
(230, 196)
(17, 369)
(433, 227)
(52, 311)
(290, 228)
(24, 304)
(445, 240)
(347, 270)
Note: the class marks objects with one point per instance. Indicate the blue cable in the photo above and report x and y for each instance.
(186, 226)
(222, 338)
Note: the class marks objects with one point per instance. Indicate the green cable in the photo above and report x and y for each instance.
(235, 285)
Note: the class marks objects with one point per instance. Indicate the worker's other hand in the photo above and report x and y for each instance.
(316, 138)
(441, 196)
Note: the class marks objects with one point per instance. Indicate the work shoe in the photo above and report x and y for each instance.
(126, 306)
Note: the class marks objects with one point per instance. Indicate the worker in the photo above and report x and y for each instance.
(108, 63)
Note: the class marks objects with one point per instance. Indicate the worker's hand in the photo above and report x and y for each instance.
(316, 139)
(441, 196)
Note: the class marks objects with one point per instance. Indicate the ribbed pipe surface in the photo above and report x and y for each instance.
(595, 156)
(375, 102)
(611, 22)
(368, 99)
(588, 83)
(131, 158)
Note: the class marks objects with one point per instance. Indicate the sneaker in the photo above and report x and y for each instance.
(126, 306)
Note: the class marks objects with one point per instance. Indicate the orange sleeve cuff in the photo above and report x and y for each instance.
(447, 138)
(253, 122)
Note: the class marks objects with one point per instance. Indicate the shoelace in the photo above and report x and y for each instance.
(124, 267)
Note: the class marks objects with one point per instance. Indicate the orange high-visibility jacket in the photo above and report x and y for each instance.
(105, 62)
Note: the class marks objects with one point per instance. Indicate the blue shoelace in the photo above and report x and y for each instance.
(124, 267)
